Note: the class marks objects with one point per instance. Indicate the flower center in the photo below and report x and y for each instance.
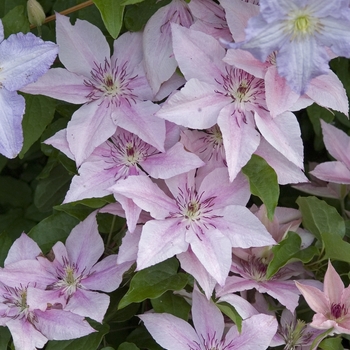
(111, 82)
(127, 151)
(338, 311)
(194, 211)
(302, 23)
(247, 92)
(255, 267)
(213, 145)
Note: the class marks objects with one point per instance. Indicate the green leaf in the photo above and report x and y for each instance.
(263, 183)
(81, 209)
(335, 247)
(5, 337)
(112, 14)
(127, 346)
(89, 342)
(15, 21)
(172, 304)
(51, 190)
(319, 217)
(152, 282)
(54, 228)
(331, 344)
(141, 337)
(39, 113)
(283, 252)
(15, 193)
(136, 16)
(14, 223)
(130, 2)
(287, 251)
(5, 244)
(231, 312)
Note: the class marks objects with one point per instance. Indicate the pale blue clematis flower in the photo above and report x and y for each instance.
(23, 59)
(300, 31)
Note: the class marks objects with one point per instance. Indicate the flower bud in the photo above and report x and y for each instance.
(36, 14)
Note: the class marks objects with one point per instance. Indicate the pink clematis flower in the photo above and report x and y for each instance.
(337, 143)
(173, 333)
(205, 218)
(232, 98)
(332, 305)
(77, 274)
(114, 90)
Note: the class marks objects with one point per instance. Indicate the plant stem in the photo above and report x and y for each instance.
(68, 11)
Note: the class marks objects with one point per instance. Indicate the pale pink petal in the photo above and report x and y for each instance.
(146, 195)
(240, 140)
(93, 181)
(23, 248)
(90, 126)
(81, 46)
(256, 334)
(139, 119)
(24, 335)
(174, 161)
(217, 184)
(245, 60)
(333, 285)
(61, 84)
(190, 263)
(129, 247)
(241, 305)
(160, 63)
(235, 284)
(131, 211)
(287, 172)
(213, 250)
(88, 304)
(244, 229)
(59, 141)
(106, 275)
(207, 318)
(128, 49)
(171, 332)
(84, 244)
(238, 13)
(196, 105)
(337, 143)
(333, 172)
(316, 299)
(160, 240)
(194, 49)
(62, 325)
(283, 133)
(328, 91)
(172, 84)
(279, 96)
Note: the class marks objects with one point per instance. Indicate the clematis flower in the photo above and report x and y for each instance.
(232, 98)
(337, 143)
(114, 90)
(173, 333)
(332, 305)
(205, 218)
(23, 59)
(326, 90)
(300, 31)
(76, 274)
(123, 155)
